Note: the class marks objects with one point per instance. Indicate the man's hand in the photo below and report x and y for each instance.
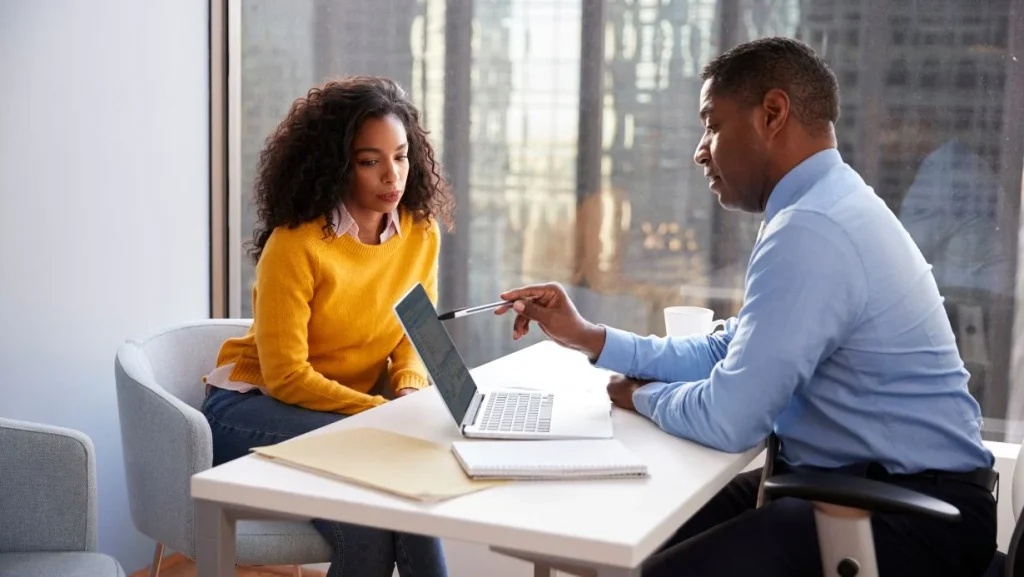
(403, 392)
(556, 315)
(620, 390)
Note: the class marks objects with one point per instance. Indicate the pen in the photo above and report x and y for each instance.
(457, 313)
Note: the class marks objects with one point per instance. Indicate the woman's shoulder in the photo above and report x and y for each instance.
(302, 234)
(425, 229)
(289, 241)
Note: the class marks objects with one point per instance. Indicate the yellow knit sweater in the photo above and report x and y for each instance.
(323, 325)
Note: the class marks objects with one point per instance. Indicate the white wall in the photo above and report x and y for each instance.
(104, 210)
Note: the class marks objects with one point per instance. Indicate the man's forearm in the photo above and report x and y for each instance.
(679, 359)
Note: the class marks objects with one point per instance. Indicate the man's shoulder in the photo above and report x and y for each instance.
(801, 224)
(807, 241)
(837, 204)
(839, 189)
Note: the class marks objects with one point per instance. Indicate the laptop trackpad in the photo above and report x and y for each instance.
(583, 415)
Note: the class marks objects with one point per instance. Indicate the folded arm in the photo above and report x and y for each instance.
(805, 289)
(284, 288)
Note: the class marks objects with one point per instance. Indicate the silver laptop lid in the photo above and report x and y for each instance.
(437, 351)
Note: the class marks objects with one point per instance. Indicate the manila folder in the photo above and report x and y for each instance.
(379, 459)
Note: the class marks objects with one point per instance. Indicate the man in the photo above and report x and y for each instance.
(842, 347)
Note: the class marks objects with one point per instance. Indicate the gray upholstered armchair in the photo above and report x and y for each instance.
(48, 503)
(166, 440)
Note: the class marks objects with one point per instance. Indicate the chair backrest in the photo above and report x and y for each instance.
(181, 355)
(1017, 494)
(164, 437)
(47, 489)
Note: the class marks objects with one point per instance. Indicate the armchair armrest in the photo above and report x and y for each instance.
(48, 502)
(858, 493)
(164, 442)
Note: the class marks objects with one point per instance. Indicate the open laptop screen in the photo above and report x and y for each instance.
(437, 351)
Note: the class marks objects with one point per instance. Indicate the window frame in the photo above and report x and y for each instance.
(226, 244)
(225, 158)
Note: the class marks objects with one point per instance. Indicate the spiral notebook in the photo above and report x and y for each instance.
(544, 460)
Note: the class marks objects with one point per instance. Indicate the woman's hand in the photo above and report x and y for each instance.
(403, 392)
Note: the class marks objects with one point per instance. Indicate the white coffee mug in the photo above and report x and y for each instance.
(685, 321)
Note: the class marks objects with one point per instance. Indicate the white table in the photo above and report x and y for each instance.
(604, 528)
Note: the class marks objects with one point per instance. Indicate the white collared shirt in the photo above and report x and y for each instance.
(344, 223)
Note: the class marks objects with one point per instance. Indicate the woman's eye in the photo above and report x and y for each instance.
(402, 157)
(367, 162)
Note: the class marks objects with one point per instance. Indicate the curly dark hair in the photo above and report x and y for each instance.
(305, 168)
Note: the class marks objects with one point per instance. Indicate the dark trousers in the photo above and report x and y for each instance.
(730, 537)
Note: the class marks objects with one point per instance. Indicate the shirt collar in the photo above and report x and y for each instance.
(344, 223)
(799, 180)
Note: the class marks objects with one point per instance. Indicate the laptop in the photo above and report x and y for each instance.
(499, 413)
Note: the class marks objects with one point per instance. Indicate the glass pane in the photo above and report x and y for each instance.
(931, 119)
(569, 135)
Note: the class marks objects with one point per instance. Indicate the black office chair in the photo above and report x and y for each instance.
(842, 512)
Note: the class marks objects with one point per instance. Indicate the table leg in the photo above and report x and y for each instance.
(215, 540)
(545, 566)
(618, 572)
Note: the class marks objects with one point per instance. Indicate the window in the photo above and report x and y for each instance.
(568, 126)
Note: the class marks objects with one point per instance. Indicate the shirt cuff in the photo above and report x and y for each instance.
(645, 397)
(619, 351)
(408, 380)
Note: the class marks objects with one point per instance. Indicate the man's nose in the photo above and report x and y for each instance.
(702, 155)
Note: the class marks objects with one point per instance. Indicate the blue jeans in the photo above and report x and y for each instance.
(240, 421)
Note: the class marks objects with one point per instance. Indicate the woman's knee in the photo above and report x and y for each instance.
(348, 537)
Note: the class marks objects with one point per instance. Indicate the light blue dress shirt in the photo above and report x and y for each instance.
(842, 346)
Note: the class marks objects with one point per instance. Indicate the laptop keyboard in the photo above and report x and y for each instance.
(518, 412)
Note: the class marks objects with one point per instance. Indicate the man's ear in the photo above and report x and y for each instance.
(775, 109)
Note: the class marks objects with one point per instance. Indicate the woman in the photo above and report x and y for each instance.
(348, 194)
